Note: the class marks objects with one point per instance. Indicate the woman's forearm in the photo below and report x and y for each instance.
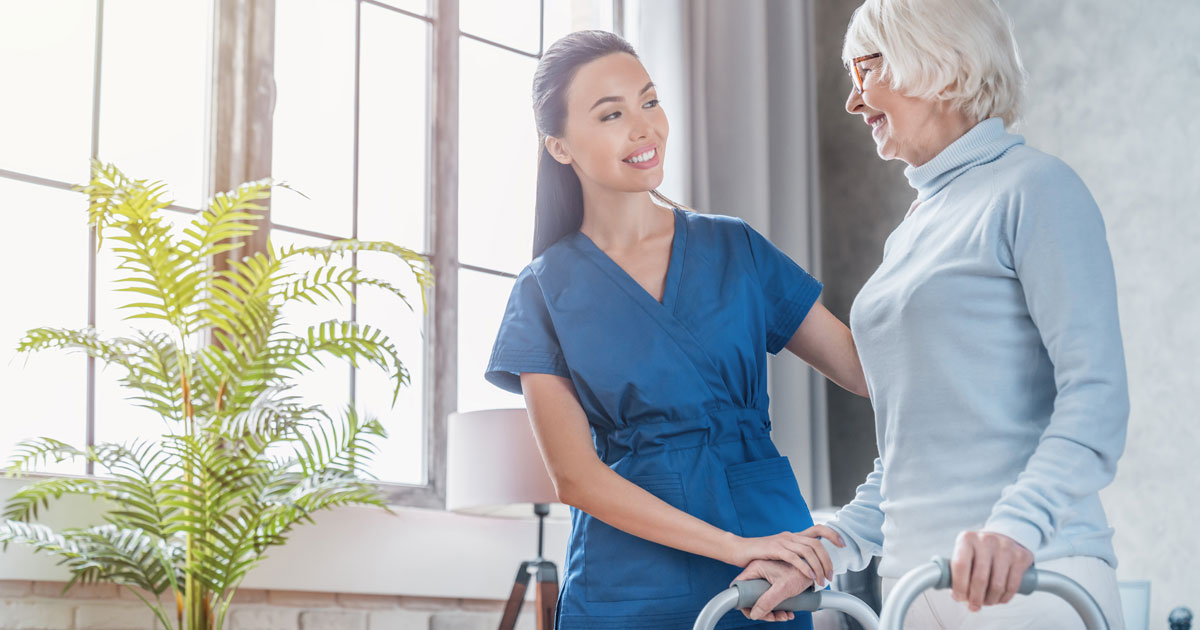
(626, 506)
(585, 482)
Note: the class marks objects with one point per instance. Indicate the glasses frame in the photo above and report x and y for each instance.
(856, 73)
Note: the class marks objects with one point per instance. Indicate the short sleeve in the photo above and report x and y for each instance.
(526, 341)
(788, 290)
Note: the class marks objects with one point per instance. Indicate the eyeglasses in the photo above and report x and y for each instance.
(856, 73)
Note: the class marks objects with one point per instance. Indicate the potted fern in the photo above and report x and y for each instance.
(245, 459)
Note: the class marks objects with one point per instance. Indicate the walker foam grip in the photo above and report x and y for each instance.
(1029, 581)
(750, 590)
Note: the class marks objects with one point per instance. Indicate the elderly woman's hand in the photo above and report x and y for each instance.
(987, 568)
(786, 581)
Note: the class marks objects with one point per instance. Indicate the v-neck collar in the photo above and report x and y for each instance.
(626, 281)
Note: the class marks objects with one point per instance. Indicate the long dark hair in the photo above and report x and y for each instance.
(559, 206)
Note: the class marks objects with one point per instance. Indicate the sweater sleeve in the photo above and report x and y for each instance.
(861, 525)
(1061, 258)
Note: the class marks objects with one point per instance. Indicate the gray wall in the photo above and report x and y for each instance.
(1114, 90)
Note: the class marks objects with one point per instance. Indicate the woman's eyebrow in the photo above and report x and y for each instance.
(619, 99)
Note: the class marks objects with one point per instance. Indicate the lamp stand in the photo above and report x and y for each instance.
(547, 583)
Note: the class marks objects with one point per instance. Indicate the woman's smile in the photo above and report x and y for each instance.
(643, 158)
(877, 123)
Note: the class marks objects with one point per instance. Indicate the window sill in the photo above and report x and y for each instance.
(417, 552)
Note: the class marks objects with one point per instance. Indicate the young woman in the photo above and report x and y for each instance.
(639, 336)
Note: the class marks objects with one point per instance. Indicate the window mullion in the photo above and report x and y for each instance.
(441, 389)
(243, 96)
(93, 242)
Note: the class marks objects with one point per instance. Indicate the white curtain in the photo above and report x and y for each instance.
(737, 80)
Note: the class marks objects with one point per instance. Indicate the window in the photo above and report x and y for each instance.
(79, 84)
(364, 126)
(355, 132)
(498, 149)
(350, 133)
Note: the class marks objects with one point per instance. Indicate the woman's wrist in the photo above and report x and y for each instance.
(727, 548)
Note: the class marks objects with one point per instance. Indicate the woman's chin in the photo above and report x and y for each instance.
(886, 152)
(647, 181)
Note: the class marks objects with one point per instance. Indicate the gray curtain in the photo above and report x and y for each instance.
(737, 78)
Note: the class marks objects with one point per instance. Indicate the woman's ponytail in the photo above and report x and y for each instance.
(558, 210)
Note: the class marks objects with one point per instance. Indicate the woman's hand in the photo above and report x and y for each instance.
(987, 568)
(802, 550)
(785, 581)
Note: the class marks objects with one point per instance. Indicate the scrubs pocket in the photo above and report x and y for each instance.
(767, 498)
(620, 567)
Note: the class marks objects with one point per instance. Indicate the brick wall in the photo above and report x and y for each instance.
(28, 605)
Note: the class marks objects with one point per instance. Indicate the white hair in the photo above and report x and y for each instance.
(959, 51)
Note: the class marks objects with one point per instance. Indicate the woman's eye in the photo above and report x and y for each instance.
(652, 103)
(612, 116)
(865, 71)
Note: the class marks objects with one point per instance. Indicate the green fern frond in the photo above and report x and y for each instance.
(332, 283)
(141, 473)
(24, 504)
(353, 342)
(228, 218)
(30, 453)
(345, 448)
(83, 340)
(417, 263)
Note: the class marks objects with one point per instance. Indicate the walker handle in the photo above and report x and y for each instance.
(743, 594)
(750, 590)
(936, 575)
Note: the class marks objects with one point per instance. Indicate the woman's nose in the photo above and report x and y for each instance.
(854, 102)
(640, 127)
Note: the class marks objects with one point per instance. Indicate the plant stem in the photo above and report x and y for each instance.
(158, 610)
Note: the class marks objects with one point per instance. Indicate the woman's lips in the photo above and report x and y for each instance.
(647, 158)
(877, 123)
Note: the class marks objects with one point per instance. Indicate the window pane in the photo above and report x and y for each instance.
(512, 22)
(154, 92)
(46, 59)
(327, 385)
(498, 152)
(565, 16)
(400, 458)
(392, 128)
(313, 144)
(118, 419)
(419, 7)
(482, 298)
(45, 393)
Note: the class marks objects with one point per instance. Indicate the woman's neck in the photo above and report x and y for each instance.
(944, 129)
(616, 220)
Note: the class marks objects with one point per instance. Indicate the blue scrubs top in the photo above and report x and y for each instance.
(676, 396)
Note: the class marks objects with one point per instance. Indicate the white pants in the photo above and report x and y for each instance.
(935, 610)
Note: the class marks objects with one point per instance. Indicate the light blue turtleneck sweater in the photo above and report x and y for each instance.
(992, 351)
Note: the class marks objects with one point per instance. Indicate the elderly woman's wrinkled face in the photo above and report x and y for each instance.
(904, 128)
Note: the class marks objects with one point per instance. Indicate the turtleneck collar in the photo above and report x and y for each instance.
(985, 142)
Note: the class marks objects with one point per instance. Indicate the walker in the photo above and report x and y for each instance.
(934, 575)
(743, 594)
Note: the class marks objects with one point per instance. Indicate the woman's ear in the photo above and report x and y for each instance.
(558, 150)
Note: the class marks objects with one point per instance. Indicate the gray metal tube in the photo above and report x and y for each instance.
(716, 608)
(745, 593)
(936, 575)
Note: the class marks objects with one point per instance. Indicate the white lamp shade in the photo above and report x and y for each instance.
(493, 466)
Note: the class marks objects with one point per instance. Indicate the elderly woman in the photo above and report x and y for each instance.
(988, 335)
